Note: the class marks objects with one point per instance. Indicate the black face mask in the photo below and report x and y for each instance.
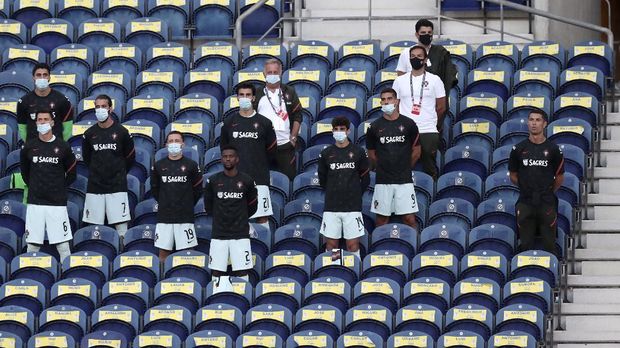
(426, 39)
(417, 63)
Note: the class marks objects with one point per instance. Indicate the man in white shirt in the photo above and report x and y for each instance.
(423, 99)
(280, 104)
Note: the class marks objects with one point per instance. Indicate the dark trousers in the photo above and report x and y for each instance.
(429, 143)
(286, 160)
(537, 222)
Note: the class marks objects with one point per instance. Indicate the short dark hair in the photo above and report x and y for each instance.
(539, 112)
(228, 147)
(175, 132)
(246, 85)
(389, 90)
(44, 111)
(416, 47)
(341, 121)
(106, 98)
(41, 66)
(423, 23)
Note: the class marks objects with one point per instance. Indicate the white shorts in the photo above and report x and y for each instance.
(347, 225)
(236, 252)
(399, 199)
(175, 236)
(47, 218)
(113, 205)
(264, 202)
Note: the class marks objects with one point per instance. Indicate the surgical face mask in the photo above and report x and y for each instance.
(340, 136)
(174, 148)
(245, 103)
(41, 83)
(101, 114)
(272, 79)
(43, 128)
(426, 39)
(417, 63)
(388, 109)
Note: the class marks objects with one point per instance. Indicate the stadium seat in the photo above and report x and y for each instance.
(51, 33)
(13, 85)
(76, 12)
(460, 5)
(303, 211)
(281, 290)
(461, 338)
(499, 238)
(176, 13)
(66, 319)
(290, 264)
(8, 244)
(571, 131)
(197, 108)
(17, 320)
(472, 317)
(172, 318)
(585, 79)
(591, 53)
(152, 109)
(478, 291)
(189, 264)
(126, 291)
(489, 80)
(256, 54)
(306, 186)
(51, 339)
(472, 158)
(22, 58)
(206, 81)
(26, 293)
(411, 338)
(392, 52)
(476, 132)
(500, 159)
(241, 297)
(570, 191)
(424, 319)
(115, 83)
(13, 216)
(537, 80)
(11, 164)
(262, 19)
(104, 337)
(308, 82)
(216, 55)
(121, 57)
(77, 292)
(330, 291)
(577, 105)
(360, 54)
(88, 265)
(123, 12)
(452, 211)
(543, 52)
(360, 338)
(462, 56)
(158, 83)
(271, 317)
(352, 80)
(513, 131)
(371, 317)
(506, 338)
(436, 264)
(98, 32)
(574, 160)
(499, 55)
(319, 318)
(529, 291)
(498, 185)
(446, 237)
(259, 338)
(68, 83)
(464, 185)
(157, 338)
(383, 79)
(138, 264)
(536, 263)
(253, 75)
(486, 264)
(146, 32)
(521, 317)
(168, 56)
(295, 237)
(396, 237)
(428, 291)
(313, 55)
(213, 18)
(9, 338)
(486, 106)
(389, 264)
(500, 211)
(98, 239)
(310, 157)
(348, 267)
(378, 290)
(309, 338)
(220, 317)
(12, 33)
(140, 237)
(347, 105)
(29, 12)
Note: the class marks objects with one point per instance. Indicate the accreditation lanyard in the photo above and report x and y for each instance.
(278, 111)
(416, 108)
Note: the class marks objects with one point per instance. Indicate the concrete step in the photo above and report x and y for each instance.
(423, 5)
(591, 254)
(606, 226)
(613, 118)
(606, 212)
(603, 241)
(606, 173)
(583, 281)
(601, 268)
(611, 145)
(590, 309)
(592, 323)
(603, 199)
(597, 296)
(586, 337)
(587, 345)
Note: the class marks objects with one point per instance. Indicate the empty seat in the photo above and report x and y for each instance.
(104, 337)
(360, 338)
(157, 338)
(22, 58)
(436, 264)
(313, 55)
(18, 321)
(98, 32)
(222, 317)
(26, 293)
(98, 239)
(77, 292)
(484, 105)
(461, 338)
(331, 291)
(261, 20)
(87, 265)
(172, 318)
(176, 13)
(138, 264)
(577, 105)
(498, 55)
(168, 56)
(12, 33)
(66, 319)
(371, 317)
(259, 338)
(256, 54)
(241, 297)
(522, 317)
(545, 52)
(592, 53)
(216, 55)
(214, 18)
(538, 80)
(51, 339)
(29, 12)
(77, 12)
(585, 79)
(360, 54)
(126, 291)
(486, 264)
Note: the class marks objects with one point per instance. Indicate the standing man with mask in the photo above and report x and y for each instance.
(176, 185)
(438, 61)
(43, 97)
(108, 151)
(423, 99)
(343, 173)
(253, 136)
(280, 104)
(393, 150)
(48, 168)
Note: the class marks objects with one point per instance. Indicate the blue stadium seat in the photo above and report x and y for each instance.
(397, 237)
(429, 291)
(176, 13)
(472, 317)
(352, 80)
(12, 164)
(98, 32)
(87, 265)
(168, 56)
(197, 108)
(17, 320)
(498, 185)
(104, 337)
(123, 12)
(360, 54)
(151, 111)
(447, 237)
(51, 339)
(220, 317)
(280, 187)
(486, 264)
(207, 81)
(98, 239)
(462, 56)
(460, 5)
(146, 32)
(436, 264)
(303, 211)
(29, 12)
(521, 317)
(319, 318)
(140, 237)
(464, 185)
(506, 338)
(411, 338)
(470, 158)
(127, 291)
(570, 191)
(309, 82)
(8, 114)
(381, 291)
(12, 33)
(424, 319)
(371, 317)
(389, 264)
(566, 217)
(51, 33)
(77, 292)
(536, 263)
(7, 141)
(262, 19)
(188, 264)
(22, 58)
(392, 52)
(256, 54)
(230, 107)
(309, 338)
(216, 55)
(499, 238)
(10, 338)
(290, 264)
(253, 75)
(585, 79)
(313, 55)
(571, 131)
(360, 338)
(157, 339)
(478, 291)
(146, 212)
(115, 83)
(306, 186)
(529, 291)
(347, 105)
(485, 106)
(259, 338)
(66, 319)
(310, 157)
(383, 79)
(213, 19)
(577, 105)
(159, 83)
(331, 291)
(138, 264)
(499, 55)
(592, 53)
(500, 159)
(207, 338)
(543, 52)
(76, 12)
(68, 83)
(37, 266)
(212, 160)
(281, 290)
(13, 216)
(26, 293)
(120, 57)
(489, 80)
(513, 131)
(453, 211)
(8, 244)
(461, 338)
(574, 160)
(500, 211)
(301, 238)
(240, 298)
(537, 80)
(172, 318)
(348, 267)
(373, 108)
(13, 84)
(271, 317)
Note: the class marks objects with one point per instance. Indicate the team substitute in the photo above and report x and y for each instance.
(48, 168)
(255, 139)
(176, 185)
(393, 149)
(343, 173)
(43, 97)
(231, 198)
(537, 166)
(108, 151)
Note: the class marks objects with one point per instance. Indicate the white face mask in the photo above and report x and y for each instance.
(44, 128)
(101, 114)
(388, 109)
(174, 148)
(340, 136)
(272, 79)
(245, 103)
(41, 83)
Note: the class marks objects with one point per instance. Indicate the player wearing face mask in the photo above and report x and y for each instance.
(176, 185)
(344, 174)
(43, 97)
(108, 151)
